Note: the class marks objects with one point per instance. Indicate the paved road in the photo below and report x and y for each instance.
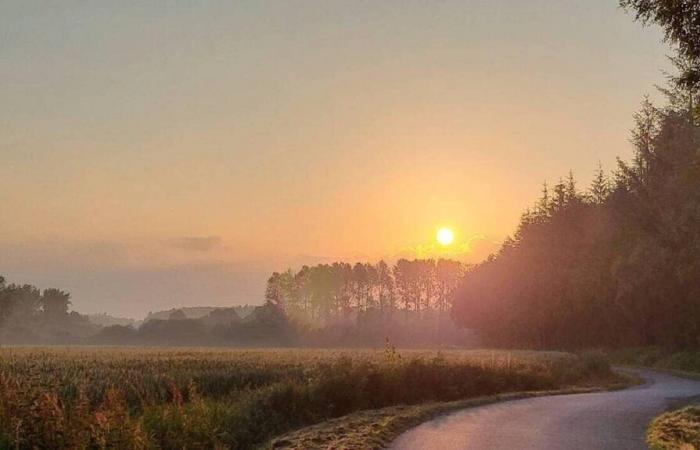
(606, 420)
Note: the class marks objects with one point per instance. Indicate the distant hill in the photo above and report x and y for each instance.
(267, 325)
(197, 312)
(105, 320)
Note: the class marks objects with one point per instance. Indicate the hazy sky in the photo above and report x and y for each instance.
(159, 154)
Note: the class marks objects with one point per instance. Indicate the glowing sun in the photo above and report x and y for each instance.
(445, 236)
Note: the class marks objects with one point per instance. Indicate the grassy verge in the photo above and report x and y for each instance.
(686, 363)
(375, 429)
(676, 430)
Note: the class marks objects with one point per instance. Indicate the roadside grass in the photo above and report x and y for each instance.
(376, 429)
(676, 430)
(683, 362)
(240, 399)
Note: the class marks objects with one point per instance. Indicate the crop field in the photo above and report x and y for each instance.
(120, 397)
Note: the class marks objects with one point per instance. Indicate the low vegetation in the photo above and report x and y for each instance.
(676, 430)
(375, 429)
(687, 361)
(238, 399)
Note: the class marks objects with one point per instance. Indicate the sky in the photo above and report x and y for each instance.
(174, 153)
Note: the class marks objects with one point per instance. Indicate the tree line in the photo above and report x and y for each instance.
(28, 314)
(326, 292)
(617, 264)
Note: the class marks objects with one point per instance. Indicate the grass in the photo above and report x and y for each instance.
(240, 399)
(676, 430)
(679, 429)
(684, 362)
(376, 429)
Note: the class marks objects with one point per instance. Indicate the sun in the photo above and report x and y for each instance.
(445, 236)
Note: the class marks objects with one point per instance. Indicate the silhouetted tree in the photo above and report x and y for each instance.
(54, 303)
(680, 20)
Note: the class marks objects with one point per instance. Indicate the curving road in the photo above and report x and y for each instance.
(606, 420)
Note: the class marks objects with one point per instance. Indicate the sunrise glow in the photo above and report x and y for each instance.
(445, 236)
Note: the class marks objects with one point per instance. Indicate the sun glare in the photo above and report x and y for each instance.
(445, 236)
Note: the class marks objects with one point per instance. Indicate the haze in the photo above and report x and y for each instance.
(161, 154)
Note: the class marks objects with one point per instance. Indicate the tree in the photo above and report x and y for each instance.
(385, 284)
(622, 268)
(360, 282)
(680, 20)
(54, 303)
(448, 275)
(600, 186)
(279, 287)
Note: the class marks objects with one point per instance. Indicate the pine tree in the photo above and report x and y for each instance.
(543, 206)
(600, 187)
(571, 193)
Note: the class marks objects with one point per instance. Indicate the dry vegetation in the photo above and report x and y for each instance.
(217, 398)
(676, 430)
(375, 429)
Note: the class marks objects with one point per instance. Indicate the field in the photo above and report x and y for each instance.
(240, 399)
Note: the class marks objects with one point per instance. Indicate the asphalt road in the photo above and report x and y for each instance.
(606, 420)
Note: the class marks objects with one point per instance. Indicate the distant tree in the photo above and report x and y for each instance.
(406, 282)
(385, 284)
(279, 288)
(54, 303)
(448, 274)
(372, 290)
(22, 301)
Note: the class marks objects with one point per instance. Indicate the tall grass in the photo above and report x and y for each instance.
(658, 357)
(112, 398)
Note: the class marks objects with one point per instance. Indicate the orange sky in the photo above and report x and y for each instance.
(138, 139)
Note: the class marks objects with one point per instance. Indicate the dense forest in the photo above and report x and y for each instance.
(617, 264)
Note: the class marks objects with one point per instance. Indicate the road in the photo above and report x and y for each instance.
(606, 420)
